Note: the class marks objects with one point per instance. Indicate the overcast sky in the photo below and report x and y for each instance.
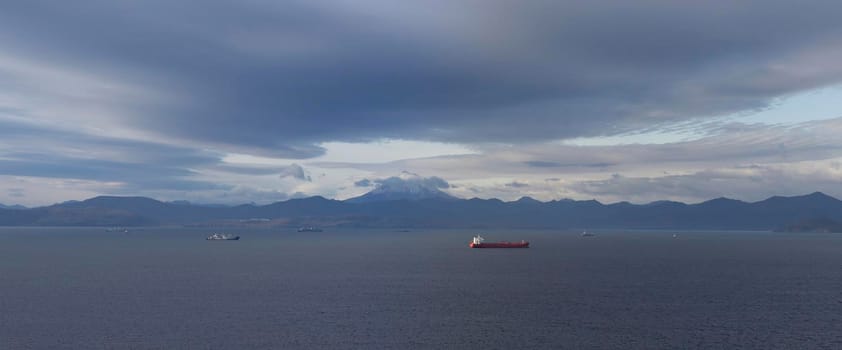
(259, 101)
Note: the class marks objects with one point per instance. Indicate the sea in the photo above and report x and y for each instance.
(169, 288)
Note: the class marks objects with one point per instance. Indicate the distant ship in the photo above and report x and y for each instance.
(223, 237)
(479, 242)
(309, 229)
(587, 234)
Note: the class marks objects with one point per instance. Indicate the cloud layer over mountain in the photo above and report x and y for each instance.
(143, 96)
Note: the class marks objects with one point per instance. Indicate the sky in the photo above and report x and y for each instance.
(238, 101)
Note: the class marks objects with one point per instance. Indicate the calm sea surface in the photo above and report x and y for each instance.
(168, 288)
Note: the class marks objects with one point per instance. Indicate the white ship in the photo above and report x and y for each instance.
(223, 237)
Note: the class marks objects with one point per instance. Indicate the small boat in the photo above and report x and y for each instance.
(587, 234)
(479, 242)
(223, 237)
(309, 229)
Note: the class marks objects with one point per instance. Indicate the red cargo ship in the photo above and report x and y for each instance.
(479, 242)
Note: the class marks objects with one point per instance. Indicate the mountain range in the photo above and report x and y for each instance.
(383, 209)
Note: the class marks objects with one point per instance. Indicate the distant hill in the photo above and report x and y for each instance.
(437, 212)
(16, 206)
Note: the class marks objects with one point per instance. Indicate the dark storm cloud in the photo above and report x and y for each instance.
(278, 78)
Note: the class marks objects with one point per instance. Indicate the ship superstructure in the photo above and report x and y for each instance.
(479, 242)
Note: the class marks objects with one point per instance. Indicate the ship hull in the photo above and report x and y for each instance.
(500, 245)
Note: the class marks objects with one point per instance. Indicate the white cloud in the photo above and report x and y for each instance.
(733, 152)
(294, 171)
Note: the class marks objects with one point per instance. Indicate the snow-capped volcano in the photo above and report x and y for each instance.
(406, 186)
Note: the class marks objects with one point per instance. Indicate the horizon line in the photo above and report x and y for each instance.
(348, 200)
